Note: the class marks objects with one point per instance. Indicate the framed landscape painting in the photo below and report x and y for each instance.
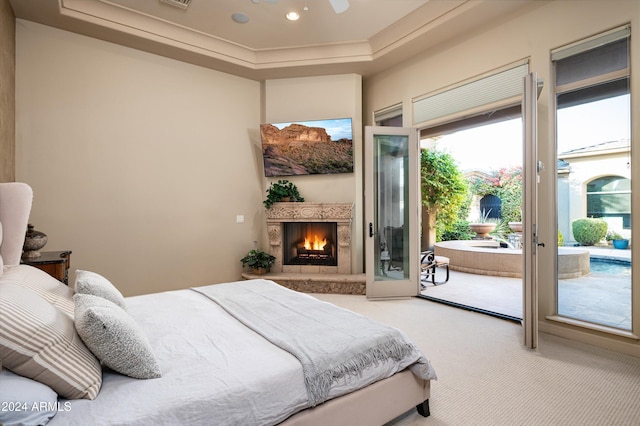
(307, 147)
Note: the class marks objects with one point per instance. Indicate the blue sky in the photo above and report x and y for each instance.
(500, 145)
(336, 128)
(485, 148)
(594, 123)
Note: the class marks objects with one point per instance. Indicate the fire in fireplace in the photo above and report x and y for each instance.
(309, 243)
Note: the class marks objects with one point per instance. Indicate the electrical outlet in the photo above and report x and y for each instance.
(240, 218)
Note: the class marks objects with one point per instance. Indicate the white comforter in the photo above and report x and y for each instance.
(215, 372)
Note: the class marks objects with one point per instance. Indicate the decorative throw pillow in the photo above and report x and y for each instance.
(39, 341)
(43, 284)
(114, 337)
(25, 401)
(95, 284)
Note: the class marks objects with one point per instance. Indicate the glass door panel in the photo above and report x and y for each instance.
(392, 212)
(594, 212)
(593, 133)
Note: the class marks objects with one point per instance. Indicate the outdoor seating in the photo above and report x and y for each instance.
(429, 262)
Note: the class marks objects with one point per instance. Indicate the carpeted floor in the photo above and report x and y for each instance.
(487, 377)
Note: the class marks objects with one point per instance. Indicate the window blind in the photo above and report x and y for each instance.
(591, 43)
(494, 88)
(386, 114)
(593, 69)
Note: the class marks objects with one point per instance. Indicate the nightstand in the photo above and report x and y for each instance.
(54, 263)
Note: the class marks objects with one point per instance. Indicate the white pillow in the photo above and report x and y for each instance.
(114, 337)
(95, 284)
(25, 401)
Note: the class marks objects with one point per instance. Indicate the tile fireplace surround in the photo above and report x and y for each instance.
(313, 278)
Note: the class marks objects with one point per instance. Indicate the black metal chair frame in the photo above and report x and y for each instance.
(428, 266)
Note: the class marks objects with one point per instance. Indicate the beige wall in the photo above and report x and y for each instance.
(139, 163)
(316, 98)
(531, 34)
(7, 90)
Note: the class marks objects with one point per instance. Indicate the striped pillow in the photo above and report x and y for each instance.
(39, 341)
(43, 284)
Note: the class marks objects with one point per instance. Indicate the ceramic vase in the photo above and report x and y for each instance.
(33, 242)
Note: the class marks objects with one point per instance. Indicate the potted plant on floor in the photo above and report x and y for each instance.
(259, 261)
(618, 241)
(283, 190)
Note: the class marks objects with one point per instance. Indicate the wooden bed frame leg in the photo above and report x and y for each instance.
(423, 408)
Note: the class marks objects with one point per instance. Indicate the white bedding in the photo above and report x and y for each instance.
(209, 373)
(215, 371)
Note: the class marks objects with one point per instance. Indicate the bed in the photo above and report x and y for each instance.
(248, 352)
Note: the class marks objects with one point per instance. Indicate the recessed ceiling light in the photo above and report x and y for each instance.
(292, 16)
(240, 18)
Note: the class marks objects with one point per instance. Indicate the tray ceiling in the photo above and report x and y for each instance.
(369, 36)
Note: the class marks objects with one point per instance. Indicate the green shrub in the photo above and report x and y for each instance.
(444, 189)
(560, 239)
(589, 231)
(458, 231)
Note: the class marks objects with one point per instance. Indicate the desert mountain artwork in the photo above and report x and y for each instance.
(306, 148)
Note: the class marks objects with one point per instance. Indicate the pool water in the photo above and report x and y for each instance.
(610, 267)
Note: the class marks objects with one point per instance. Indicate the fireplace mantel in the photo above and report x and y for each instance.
(340, 213)
(310, 212)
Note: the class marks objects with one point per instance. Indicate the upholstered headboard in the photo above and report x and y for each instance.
(15, 206)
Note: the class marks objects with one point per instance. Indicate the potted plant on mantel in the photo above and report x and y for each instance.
(283, 190)
(259, 261)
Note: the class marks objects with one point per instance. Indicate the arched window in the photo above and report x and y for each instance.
(610, 196)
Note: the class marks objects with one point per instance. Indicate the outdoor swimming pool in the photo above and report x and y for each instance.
(610, 267)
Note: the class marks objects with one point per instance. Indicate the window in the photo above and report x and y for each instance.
(593, 139)
(610, 197)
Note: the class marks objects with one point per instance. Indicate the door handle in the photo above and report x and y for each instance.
(371, 229)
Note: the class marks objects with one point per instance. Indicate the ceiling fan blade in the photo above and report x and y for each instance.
(339, 6)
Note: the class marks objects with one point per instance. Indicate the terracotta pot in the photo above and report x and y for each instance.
(515, 226)
(482, 229)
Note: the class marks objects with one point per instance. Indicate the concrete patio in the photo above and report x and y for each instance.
(600, 298)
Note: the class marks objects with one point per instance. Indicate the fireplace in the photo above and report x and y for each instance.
(325, 226)
(309, 243)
